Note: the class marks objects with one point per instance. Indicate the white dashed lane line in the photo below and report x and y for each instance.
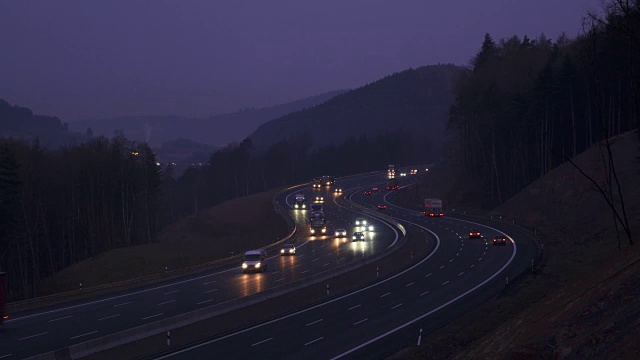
(396, 306)
(353, 307)
(204, 302)
(361, 321)
(314, 322)
(313, 341)
(171, 292)
(78, 336)
(385, 294)
(462, 273)
(210, 282)
(166, 302)
(109, 317)
(425, 293)
(62, 318)
(262, 342)
(429, 274)
(209, 291)
(152, 316)
(32, 336)
(130, 302)
(445, 283)
(409, 284)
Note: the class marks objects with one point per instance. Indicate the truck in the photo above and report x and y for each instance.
(299, 203)
(316, 215)
(317, 183)
(433, 207)
(318, 226)
(392, 184)
(328, 180)
(391, 170)
(3, 297)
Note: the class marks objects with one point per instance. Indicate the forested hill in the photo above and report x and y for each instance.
(19, 122)
(413, 101)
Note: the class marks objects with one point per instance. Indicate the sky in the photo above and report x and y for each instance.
(79, 59)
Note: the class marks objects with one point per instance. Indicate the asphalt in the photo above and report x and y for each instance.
(376, 321)
(47, 329)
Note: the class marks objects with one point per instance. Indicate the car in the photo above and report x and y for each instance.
(254, 261)
(433, 214)
(316, 207)
(287, 249)
(382, 207)
(338, 191)
(358, 236)
(361, 222)
(403, 174)
(367, 192)
(500, 240)
(340, 233)
(375, 188)
(414, 171)
(475, 234)
(319, 199)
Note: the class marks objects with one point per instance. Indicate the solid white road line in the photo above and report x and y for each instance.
(109, 317)
(396, 306)
(32, 336)
(166, 302)
(172, 292)
(315, 322)
(385, 294)
(62, 318)
(353, 307)
(262, 342)
(312, 341)
(75, 337)
(130, 302)
(361, 321)
(152, 316)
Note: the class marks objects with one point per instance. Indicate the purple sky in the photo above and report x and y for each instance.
(89, 59)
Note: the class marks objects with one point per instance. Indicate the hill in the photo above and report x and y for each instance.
(415, 100)
(19, 122)
(159, 129)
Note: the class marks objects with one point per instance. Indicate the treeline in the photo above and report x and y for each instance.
(239, 170)
(58, 207)
(527, 105)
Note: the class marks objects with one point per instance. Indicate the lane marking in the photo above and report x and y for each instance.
(62, 318)
(130, 302)
(4, 356)
(171, 292)
(353, 307)
(479, 259)
(361, 321)
(429, 274)
(262, 342)
(204, 302)
(166, 302)
(32, 336)
(312, 341)
(306, 271)
(396, 306)
(451, 260)
(275, 272)
(445, 283)
(462, 273)
(315, 322)
(457, 254)
(316, 259)
(109, 317)
(472, 265)
(327, 264)
(385, 294)
(441, 266)
(279, 280)
(409, 284)
(210, 282)
(152, 316)
(75, 337)
(425, 293)
(209, 291)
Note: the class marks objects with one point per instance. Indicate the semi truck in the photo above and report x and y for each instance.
(3, 297)
(318, 226)
(328, 180)
(392, 184)
(433, 207)
(299, 204)
(391, 170)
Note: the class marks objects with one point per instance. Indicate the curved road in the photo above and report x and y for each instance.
(43, 330)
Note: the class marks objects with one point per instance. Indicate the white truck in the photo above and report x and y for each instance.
(299, 204)
(433, 207)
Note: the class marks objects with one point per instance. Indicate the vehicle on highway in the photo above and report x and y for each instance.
(403, 174)
(317, 183)
(361, 222)
(414, 171)
(319, 199)
(318, 226)
(393, 184)
(340, 233)
(433, 207)
(316, 207)
(254, 261)
(500, 240)
(367, 192)
(391, 170)
(375, 188)
(475, 234)
(287, 249)
(299, 204)
(338, 191)
(328, 180)
(358, 236)
(382, 207)
(3, 297)
(316, 215)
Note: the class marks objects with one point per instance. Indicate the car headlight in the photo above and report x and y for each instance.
(257, 265)
(291, 250)
(324, 230)
(303, 206)
(357, 222)
(281, 251)
(313, 231)
(364, 222)
(296, 206)
(370, 228)
(354, 238)
(337, 233)
(244, 265)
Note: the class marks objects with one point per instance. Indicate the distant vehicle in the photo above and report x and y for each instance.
(319, 199)
(318, 226)
(328, 180)
(375, 188)
(316, 215)
(391, 170)
(433, 207)
(287, 249)
(254, 261)
(361, 222)
(358, 236)
(299, 204)
(338, 191)
(392, 184)
(382, 207)
(367, 192)
(414, 171)
(500, 240)
(316, 207)
(340, 233)
(3, 297)
(475, 234)
(317, 183)
(403, 174)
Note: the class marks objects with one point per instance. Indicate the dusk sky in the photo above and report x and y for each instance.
(92, 59)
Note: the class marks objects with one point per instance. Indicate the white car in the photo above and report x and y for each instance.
(288, 249)
(340, 233)
(254, 261)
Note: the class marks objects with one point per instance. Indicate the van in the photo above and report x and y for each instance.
(254, 261)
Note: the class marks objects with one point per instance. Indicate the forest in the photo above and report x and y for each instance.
(527, 105)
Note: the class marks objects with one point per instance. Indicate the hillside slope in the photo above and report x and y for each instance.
(415, 101)
(216, 130)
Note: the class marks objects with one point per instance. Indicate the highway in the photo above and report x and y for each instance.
(375, 321)
(48, 329)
